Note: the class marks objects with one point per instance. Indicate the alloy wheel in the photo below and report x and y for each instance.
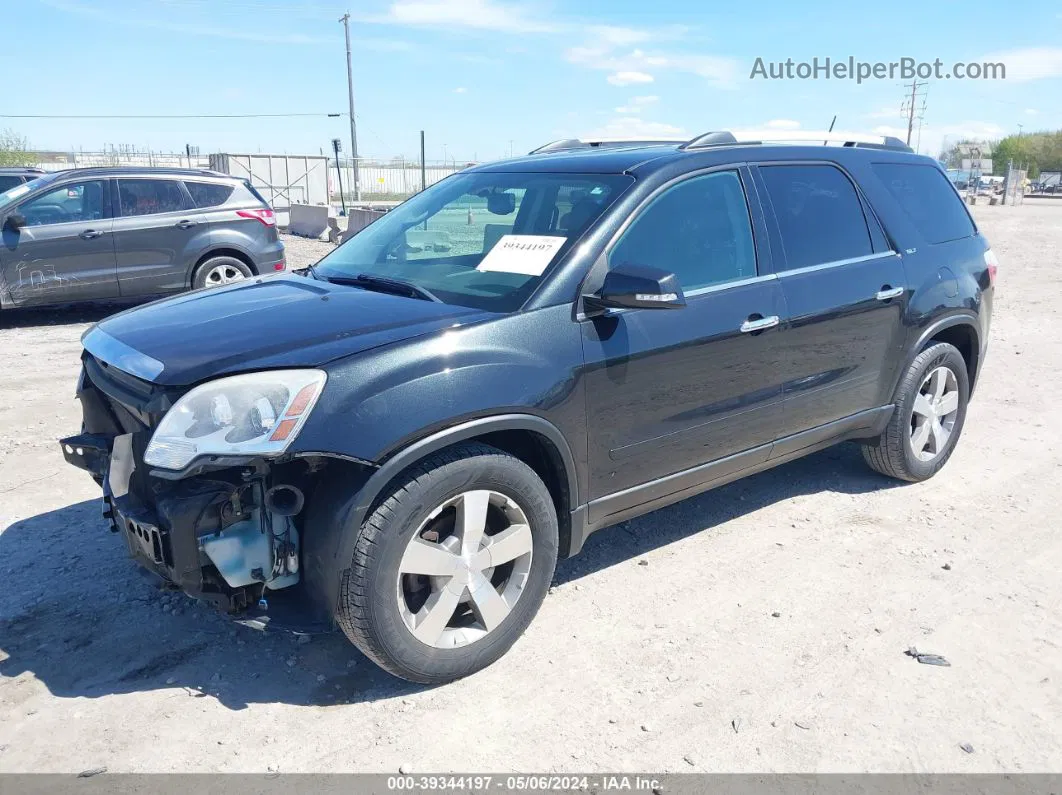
(464, 569)
(223, 274)
(936, 407)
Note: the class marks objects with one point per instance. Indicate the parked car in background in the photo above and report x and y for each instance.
(98, 233)
(11, 177)
(405, 440)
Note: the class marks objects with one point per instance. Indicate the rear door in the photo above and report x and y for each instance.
(65, 252)
(157, 231)
(845, 290)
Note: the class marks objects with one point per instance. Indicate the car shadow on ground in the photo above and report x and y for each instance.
(66, 314)
(81, 618)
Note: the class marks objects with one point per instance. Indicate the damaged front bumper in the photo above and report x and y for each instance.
(228, 533)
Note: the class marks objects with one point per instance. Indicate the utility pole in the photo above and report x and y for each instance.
(1019, 129)
(345, 19)
(912, 107)
(423, 167)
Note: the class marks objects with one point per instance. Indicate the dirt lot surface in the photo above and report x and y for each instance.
(760, 627)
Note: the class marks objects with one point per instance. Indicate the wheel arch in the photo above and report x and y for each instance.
(964, 333)
(335, 518)
(960, 330)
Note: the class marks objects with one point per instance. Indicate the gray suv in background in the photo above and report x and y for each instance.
(98, 233)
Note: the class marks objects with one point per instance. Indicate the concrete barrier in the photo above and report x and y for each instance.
(308, 220)
(358, 219)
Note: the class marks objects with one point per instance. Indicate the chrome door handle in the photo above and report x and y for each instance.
(185, 224)
(759, 325)
(90, 234)
(887, 293)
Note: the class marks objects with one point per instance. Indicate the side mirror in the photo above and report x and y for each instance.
(637, 287)
(14, 222)
(501, 203)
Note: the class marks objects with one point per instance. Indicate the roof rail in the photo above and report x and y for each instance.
(750, 137)
(567, 144)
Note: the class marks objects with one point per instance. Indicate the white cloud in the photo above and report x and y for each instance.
(629, 78)
(637, 104)
(460, 90)
(783, 124)
(884, 113)
(1031, 63)
(613, 36)
(716, 69)
(1032, 112)
(633, 127)
(478, 14)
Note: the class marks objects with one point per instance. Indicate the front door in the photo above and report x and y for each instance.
(669, 390)
(845, 291)
(65, 252)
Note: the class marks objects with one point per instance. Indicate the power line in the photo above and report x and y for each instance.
(176, 116)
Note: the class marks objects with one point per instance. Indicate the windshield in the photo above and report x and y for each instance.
(14, 194)
(480, 239)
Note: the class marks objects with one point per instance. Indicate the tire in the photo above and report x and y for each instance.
(377, 603)
(217, 271)
(894, 453)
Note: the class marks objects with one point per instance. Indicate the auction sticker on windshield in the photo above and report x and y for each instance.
(526, 254)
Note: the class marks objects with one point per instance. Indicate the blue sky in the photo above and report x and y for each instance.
(481, 76)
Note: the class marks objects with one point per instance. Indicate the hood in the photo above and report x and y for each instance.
(283, 321)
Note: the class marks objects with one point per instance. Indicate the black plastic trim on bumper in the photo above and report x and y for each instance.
(88, 451)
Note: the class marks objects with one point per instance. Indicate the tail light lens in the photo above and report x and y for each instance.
(993, 263)
(265, 215)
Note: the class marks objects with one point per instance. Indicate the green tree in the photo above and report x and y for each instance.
(1039, 151)
(14, 150)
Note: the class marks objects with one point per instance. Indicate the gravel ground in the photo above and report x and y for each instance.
(760, 627)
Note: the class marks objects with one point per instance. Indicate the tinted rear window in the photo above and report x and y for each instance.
(819, 214)
(208, 194)
(7, 181)
(928, 199)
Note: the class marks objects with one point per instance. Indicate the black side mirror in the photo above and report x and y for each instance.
(637, 287)
(14, 222)
(501, 203)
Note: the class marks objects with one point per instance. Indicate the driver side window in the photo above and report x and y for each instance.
(78, 201)
(699, 230)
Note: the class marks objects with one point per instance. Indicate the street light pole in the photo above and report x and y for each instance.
(345, 19)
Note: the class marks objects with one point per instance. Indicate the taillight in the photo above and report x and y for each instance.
(993, 263)
(279, 266)
(264, 215)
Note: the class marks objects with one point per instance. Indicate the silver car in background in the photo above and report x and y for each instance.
(99, 233)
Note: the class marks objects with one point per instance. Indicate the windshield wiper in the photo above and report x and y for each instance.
(385, 284)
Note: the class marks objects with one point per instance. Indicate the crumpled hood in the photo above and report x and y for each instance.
(283, 321)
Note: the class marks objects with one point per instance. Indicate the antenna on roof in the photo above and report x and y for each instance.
(824, 143)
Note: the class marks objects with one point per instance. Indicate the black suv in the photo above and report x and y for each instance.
(96, 233)
(405, 439)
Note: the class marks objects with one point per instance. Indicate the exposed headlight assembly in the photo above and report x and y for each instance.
(253, 414)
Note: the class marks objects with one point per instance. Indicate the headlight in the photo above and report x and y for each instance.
(253, 414)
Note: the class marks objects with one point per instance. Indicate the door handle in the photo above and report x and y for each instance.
(757, 323)
(90, 234)
(887, 293)
(185, 224)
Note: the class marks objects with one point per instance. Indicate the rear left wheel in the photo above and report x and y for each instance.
(450, 569)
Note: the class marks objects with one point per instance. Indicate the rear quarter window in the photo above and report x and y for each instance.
(8, 181)
(209, 194)
(929, 200)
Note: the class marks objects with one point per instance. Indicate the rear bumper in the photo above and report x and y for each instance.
(271, 259)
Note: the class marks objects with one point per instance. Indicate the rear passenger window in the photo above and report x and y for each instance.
(699, 230)
(819, 214)
(206, 194)
(150, 196)
(928, 199)
(8, 182)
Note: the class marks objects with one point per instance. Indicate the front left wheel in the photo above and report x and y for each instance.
(452, 566)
